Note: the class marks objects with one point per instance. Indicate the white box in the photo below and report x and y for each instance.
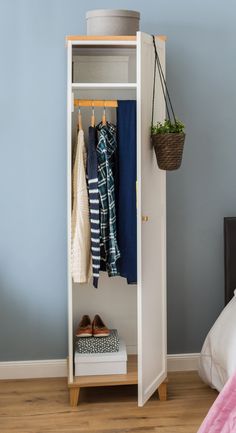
(93, 364)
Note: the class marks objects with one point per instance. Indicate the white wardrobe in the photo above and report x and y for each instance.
(115, 68)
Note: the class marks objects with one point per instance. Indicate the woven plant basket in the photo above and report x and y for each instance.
(169, 149)
(168, 146)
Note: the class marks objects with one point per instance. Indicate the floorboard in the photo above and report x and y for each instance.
(42, 406)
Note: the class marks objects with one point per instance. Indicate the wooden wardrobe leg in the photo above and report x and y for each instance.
(74, 396)
(162, 391)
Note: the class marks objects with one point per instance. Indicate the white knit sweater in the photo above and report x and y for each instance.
(81, 261)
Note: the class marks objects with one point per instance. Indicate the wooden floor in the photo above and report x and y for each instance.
(41, 406)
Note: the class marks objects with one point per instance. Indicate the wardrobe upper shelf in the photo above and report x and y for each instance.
(103, 85)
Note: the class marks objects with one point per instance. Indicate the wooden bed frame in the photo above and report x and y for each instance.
(230, 257)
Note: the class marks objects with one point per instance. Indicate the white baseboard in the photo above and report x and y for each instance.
(132, 349)
(58, 367)
(183, 362)
(33, 369)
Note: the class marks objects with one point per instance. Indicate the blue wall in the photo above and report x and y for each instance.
(201, 72)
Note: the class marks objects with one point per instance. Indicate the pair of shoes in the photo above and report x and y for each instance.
(95, 329)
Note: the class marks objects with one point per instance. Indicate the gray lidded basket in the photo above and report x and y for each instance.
(112, 22)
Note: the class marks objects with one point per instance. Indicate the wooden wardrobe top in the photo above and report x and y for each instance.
(106, 38)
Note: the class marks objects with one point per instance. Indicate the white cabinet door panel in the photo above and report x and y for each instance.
(151, 201)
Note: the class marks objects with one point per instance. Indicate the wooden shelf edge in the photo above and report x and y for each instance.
(105, 383)
(106, 38)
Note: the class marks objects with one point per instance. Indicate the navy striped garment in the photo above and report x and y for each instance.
(92, 171)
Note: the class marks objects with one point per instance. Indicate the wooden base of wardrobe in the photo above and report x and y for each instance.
(131, 378)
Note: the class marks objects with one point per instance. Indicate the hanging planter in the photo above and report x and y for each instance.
(168, 142)
(167, 137)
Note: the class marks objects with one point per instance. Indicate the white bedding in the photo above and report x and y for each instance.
(218, 355)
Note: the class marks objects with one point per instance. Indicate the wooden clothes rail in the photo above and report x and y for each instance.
(95, 103)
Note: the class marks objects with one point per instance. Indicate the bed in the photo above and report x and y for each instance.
(218, 356)
(230, 257)
(217, 365)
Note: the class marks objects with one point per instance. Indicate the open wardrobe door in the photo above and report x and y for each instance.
(151, 206)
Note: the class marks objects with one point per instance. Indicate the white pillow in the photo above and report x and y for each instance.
(218, 356)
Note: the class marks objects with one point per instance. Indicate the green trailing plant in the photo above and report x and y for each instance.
(167, 127)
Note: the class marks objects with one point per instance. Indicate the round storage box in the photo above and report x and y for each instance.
(112, 22)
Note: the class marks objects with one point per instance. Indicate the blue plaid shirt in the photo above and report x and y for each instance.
(106, 187)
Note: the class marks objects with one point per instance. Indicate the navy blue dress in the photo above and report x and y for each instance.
(126, 190)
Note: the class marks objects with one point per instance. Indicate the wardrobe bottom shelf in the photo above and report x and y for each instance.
(131, 378)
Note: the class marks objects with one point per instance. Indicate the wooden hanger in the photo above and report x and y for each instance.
(79, 120)
(93, 117)
(104, 120)
(94, 103)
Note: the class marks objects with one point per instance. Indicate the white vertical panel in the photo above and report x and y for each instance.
(69, 279)
(152, 233)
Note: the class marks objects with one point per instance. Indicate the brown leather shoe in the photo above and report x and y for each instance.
(84, 328)
(99, 328)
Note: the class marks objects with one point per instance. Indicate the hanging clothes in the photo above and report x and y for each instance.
(126, 190)
(81, 264)
(92, 171)
(108, 242)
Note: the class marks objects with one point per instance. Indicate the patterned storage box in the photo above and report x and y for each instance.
(98, 344)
